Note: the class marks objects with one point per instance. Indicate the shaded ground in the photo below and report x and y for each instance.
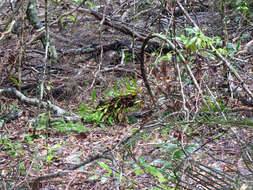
(135, 150)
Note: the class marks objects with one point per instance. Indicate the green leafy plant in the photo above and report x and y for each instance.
(119, 98)
(154, 171)
(174, 151)
(14, 80)
(166, 57)
(105, 177)
(243, 6)
(212, 105)
(93, 98)
(22, 168)
(60, 125)
(41, 122)
(63, 126)
(122, 88)
(128, 57)
(88, 115)
(107, 174)
(197, 41)
(13, 148)
(173, 154)
(73, 18)
(51, 152)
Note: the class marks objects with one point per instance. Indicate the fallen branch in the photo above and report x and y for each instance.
(35, 101)
(105, 154)
(66, 171)
(95, 48)
(238, 109)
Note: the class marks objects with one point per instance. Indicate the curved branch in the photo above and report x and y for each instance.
(143, 71)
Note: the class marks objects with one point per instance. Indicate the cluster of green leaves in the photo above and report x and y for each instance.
(90, 115)
(197, 41)
(166, 57)
(60, 125)
(108, 174)
(63, 126)
(128, 57)
(212, 105)
(12, 148)
(160, 168)
(172, 153)
(109, 110)
(154, 171)
(51, 152)
(122, 88)
(244, 6)
(88, 3)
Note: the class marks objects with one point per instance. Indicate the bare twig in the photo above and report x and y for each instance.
(8, 31)
(101, 46)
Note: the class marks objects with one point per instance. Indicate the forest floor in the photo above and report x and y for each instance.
(131, 152)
